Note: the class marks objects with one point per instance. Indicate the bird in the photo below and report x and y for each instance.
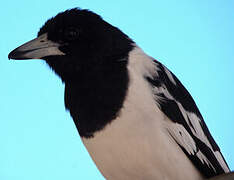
(134, 116)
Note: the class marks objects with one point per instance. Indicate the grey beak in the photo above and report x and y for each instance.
(36, 49)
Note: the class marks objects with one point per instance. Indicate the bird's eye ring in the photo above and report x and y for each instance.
(71, 34)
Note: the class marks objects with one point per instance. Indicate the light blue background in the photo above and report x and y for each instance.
(38, 139)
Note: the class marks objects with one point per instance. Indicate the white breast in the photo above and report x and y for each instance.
(136, 145)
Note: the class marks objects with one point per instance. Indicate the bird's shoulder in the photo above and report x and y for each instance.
(188, 128)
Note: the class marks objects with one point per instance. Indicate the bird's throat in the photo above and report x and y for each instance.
(95, 98)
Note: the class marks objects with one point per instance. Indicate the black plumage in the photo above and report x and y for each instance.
(94, 69)
(98, 64)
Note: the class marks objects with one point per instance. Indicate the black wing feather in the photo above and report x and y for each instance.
(170, 108)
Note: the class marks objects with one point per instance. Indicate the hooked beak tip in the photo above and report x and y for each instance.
(16, 55)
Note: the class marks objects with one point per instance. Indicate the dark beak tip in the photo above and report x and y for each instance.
(13, 54)
(16, 55)
(10, 55)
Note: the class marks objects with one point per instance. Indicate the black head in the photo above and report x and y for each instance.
(76, 40)
(91, 57)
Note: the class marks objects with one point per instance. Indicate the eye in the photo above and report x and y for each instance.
(71, 34)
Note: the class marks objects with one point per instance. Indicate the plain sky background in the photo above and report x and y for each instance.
(38, 139)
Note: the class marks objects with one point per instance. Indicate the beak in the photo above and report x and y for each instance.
(36, 49)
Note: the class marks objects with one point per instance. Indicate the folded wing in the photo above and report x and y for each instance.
(188, 128)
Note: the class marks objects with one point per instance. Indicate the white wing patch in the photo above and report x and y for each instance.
(169, 75)
(183, 138)
(179, 132)
(221, 161)
(203, 158)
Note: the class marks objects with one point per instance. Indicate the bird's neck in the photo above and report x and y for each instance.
(95, 97)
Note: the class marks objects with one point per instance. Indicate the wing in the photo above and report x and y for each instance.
(188, 128)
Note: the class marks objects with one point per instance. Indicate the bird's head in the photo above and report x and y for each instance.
(75, 40)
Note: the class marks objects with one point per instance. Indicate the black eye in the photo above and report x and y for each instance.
(71, 34)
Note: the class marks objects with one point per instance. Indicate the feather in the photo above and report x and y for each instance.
(188, 128)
